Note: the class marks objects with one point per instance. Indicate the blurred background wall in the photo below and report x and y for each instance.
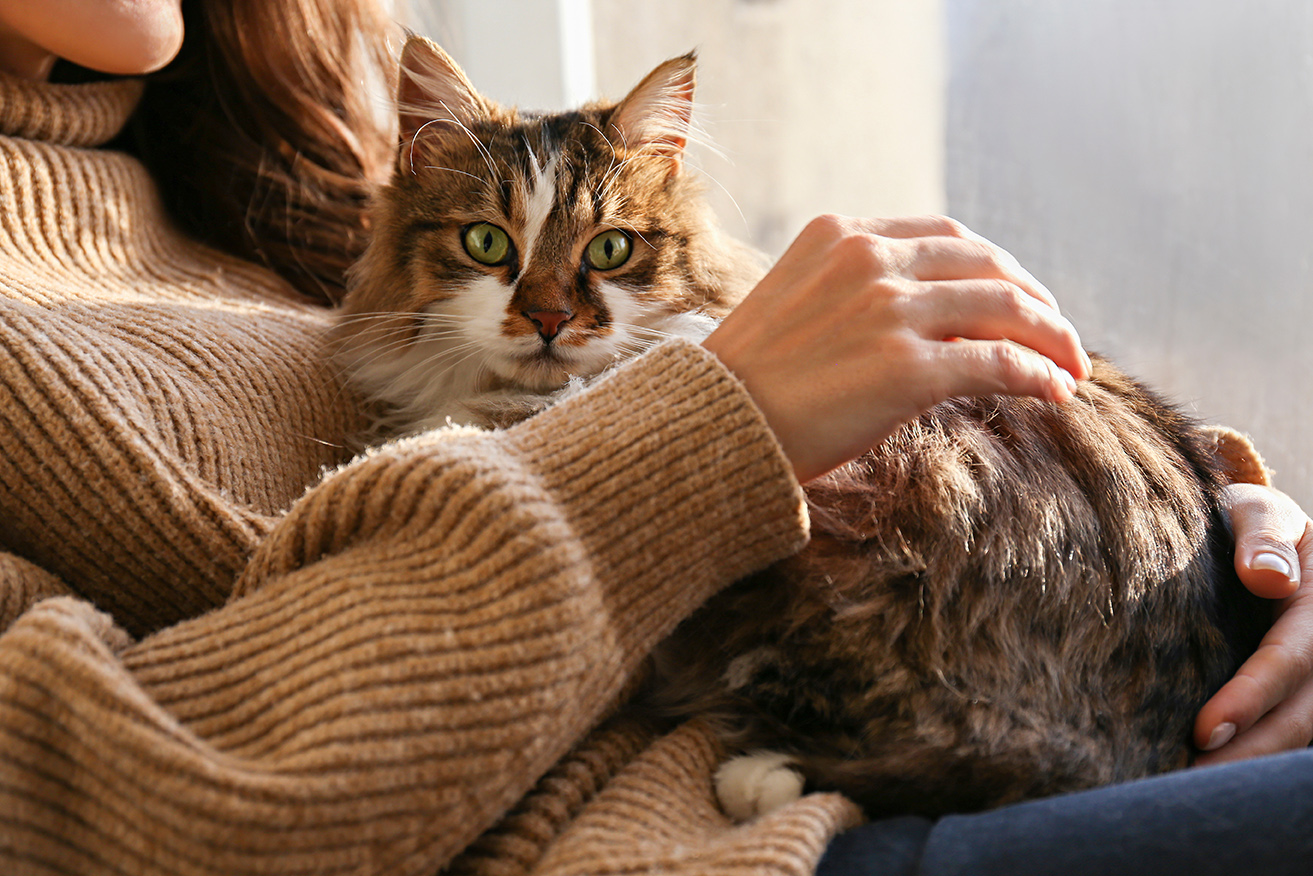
(1148, 161)
(1151, 162)
(834, 107)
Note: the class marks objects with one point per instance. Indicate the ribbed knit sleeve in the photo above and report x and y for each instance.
(65, 114)
(160, 403)
(421, 637)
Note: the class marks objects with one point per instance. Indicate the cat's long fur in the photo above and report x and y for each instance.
(1006, 599)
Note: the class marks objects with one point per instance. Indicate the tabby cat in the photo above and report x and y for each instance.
(1006, 599)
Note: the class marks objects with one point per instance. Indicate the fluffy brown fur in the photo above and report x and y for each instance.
(1006, 599)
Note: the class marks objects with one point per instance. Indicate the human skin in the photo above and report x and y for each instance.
(865, 323)
(127, 37)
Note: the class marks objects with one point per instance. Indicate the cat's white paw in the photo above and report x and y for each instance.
(756, 784)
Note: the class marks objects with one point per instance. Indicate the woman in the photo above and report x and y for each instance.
(367, 674)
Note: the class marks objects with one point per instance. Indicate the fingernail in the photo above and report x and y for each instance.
(1271, 562)
(1067, 380)
(1222, 734)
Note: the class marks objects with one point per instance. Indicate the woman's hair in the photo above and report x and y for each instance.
(265, 133)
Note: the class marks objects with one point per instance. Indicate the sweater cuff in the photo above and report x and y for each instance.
(671, 478)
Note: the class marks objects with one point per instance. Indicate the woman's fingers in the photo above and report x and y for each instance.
(1000, 368)
(958, 283)
(997, 309)
(845, 339)
(1286, 727)
(1274, 540)
(1268, 705)
(945, 249)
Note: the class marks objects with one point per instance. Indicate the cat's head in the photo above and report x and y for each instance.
(516, 249)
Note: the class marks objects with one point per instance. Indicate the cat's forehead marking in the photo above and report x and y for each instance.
(538, 205)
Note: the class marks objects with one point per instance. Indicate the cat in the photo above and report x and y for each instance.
(1006, 599)
(514, 251)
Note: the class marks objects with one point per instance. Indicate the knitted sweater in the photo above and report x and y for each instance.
(228, 649)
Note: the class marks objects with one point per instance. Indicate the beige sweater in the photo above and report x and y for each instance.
(254, 666)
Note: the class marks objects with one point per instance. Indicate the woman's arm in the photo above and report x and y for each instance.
(422, 636)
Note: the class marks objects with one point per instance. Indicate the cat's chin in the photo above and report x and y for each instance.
(537, 373)
(544, 371)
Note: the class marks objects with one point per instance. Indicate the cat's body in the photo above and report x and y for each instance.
(1006, 599)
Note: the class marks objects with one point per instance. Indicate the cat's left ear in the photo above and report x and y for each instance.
(656, 116)
(434, 96)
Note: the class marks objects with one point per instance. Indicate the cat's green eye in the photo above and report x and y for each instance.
(608, 250)
(487, 244)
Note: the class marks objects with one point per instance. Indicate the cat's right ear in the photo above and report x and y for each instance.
(434, 97)
(657, 116)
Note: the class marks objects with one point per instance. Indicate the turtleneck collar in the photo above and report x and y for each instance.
(87, 115)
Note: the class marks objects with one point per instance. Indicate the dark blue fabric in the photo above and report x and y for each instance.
(1231, 820)
(888, 848)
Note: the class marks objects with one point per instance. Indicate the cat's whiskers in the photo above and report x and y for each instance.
(629, 349)
(440, 330)
(369, 316)
(727, 192)
(650, 335)
(614, 157)
(378, 346)
(387, 345)
(486, 183)
(613, 174)
(377, 354)
(469, 349)
(406, 321)
(443, 318)
(452, 118)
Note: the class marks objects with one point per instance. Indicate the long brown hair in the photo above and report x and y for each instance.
(263, 133)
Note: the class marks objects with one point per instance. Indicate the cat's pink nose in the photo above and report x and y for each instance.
(549, 322)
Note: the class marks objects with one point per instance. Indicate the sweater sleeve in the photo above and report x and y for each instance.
(421, 637)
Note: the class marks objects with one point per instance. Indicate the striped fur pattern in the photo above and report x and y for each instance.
(1006, 599)
(431, 332)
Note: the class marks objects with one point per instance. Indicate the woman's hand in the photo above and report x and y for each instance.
(864, 324)
(1268, 705)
